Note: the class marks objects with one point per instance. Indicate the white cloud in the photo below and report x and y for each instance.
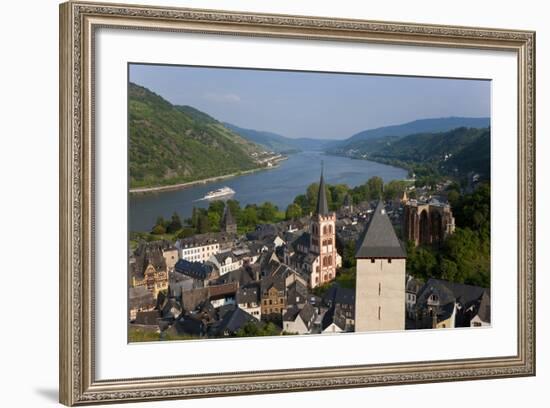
(221, 97)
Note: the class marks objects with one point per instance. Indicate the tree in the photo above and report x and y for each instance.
(175, 224)
(348, 256)
(217, 207)
(161, 221)
(338, 193)
(203, 225)
(376, 186)
(214, 220)
(421, 262)
(249, 216)
(267, 212)
(235, 209)
(158, 230)
(195, 217)
(253, 329)
(394, 189)
(293, 212)
(185, 232)
(312, 194)
(302, 201)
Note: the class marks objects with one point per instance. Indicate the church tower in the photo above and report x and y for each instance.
(323, 240)
(380, 277)
(229, 224)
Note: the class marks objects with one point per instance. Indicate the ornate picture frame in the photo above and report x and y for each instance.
(78, 24)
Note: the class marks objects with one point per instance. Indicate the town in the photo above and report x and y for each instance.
(298, 276)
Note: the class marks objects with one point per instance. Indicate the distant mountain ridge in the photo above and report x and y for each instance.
(171, 144)
(432, 125)
(279, 143)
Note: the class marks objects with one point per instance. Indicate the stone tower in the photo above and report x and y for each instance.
(323, 240)
(229, 224)
(380, 278)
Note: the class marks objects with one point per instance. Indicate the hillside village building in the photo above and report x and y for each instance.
(443, 304)
(200, 247)
(380, 278)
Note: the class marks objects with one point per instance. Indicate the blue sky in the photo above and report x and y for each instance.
(318, 105)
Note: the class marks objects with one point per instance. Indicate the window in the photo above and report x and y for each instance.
(379, 288)
(379, 312)
(372, 260)
(389, 260)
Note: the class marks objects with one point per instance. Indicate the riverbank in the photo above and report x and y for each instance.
(181, 186)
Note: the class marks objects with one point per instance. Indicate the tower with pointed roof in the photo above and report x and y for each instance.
(229, 224)
(322, 243)
(380, 278)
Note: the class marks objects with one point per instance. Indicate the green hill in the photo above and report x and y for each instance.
(458, 151)
(269, 140)
(171, 144)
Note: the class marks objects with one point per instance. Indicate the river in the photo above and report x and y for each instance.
(278, 185)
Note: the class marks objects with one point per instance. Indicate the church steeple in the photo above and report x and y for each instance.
(322, 206)
(229, 224)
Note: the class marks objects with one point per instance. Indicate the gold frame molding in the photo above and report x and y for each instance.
(78, 22)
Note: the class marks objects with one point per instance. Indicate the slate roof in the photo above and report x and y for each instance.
(262, 232)
(379, 239)
(208, 238)
(322, 206)
(338, 295)
(249, 294)
(195, 270)
(331, 317)
(472, 300)
(188, 325)
(307, 314)
(171, 309)
(231, 322)
(302, 241)
(447, 292)
(277, 281)
(242, 275)
(345, 296)
(413, 285)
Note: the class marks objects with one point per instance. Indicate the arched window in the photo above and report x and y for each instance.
(329, 260)
(325, 229)
(330, 229)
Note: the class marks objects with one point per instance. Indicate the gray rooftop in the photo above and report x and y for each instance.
(379, 239)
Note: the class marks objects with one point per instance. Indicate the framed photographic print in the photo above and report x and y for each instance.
(258, 203)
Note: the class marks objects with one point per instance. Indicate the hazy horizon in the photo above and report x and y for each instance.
(313, 105)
